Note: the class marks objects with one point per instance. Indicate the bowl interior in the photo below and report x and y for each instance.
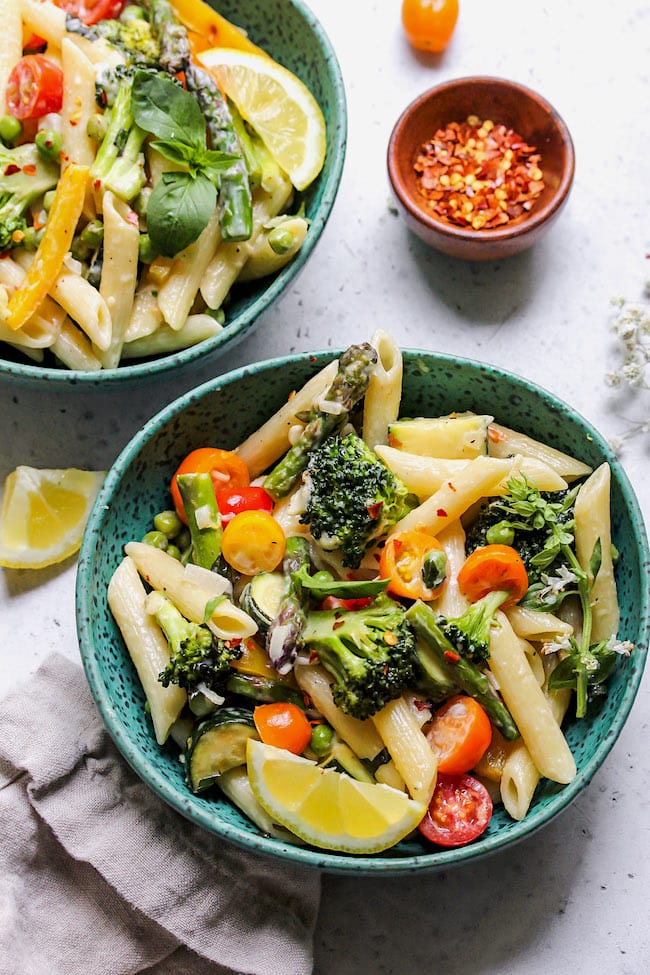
(504, 102)
(224, 411)
(289, 31)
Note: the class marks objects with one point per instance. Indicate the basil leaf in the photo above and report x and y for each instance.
(177, 152)
(215, 164)
(178, 210)
(162, 107)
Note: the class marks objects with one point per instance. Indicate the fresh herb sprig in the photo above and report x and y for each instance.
(584, 665)
(183, 201)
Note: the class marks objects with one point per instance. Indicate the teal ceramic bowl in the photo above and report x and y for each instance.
(289, 31)
(226, 410)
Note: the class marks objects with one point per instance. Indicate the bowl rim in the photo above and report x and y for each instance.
(448, 230)
(149, 370)
(327, 861)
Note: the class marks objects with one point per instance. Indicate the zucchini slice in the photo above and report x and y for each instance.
(459, 436)
(216, 745)
(262, 596)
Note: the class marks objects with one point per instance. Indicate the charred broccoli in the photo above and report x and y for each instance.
(25, 175)
(353, 499)
(369, 652)
(199, 661)
(130, 33)
(469, 634)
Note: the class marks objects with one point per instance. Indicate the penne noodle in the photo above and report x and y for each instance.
(42, 18)
(78, 105)
(74, 349)
(472, 482)
(451, 602)
(537, 625)
(85, 306)
(413, 756)
(147, 646)
(165, 573)
(267, 444)
(11, 49)
(528, 704)
(503, 442)
(382, 399)
(119, 274)
(592, 518)
(164, 339)
(178, 293)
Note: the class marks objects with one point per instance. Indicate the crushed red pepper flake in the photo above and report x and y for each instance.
(441, 513)
(479, 174)
(451, 656)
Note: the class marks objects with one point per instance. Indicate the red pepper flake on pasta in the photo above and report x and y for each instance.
(479, 174)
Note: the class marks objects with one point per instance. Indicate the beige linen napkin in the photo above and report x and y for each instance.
(99, 877)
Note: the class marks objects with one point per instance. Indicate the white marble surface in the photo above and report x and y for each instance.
(573, 898)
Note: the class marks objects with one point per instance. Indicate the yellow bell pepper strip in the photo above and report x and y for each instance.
(55, 244)
(206, 28)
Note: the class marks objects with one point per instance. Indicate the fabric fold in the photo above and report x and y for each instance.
(101, 875)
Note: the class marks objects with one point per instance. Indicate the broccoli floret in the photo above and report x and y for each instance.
(198, 659)
(353, 500)
(469, 634)
(131, 34)
(25, 175)
(369, 652)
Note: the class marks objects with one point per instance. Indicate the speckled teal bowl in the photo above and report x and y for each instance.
(289, 31)
(223, 412)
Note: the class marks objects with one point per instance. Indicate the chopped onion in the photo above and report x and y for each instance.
(211, 582)
(211, 695)
(204, 517)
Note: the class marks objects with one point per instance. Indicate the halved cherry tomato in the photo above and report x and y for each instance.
(34, 87)
(283, 725)
(459, 734)
(429, 24)
(492, 568)
(403, 559)
(459, 811)
(232, 501)
(91, 11)
(227, 470)
(253, 542)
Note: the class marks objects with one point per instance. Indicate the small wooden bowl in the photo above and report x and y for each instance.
(502, 101)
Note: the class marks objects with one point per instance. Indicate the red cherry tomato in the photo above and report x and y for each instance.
(232, 501)
(34, 87)
(228, 471)
(350, 605)
(459, 811)
(92, 11)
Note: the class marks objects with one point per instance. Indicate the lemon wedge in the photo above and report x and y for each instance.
(43, 515)
(278, 106)
(327, 808)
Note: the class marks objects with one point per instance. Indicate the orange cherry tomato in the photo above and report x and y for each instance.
(429, 24)
(402, 560)
(227, 470)
(283, 725)
(491, 568)
(459, 734)
(253, 542)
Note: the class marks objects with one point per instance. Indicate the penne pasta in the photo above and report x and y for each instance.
(503, 442)
(78, 105)
(178, 293)
(43, 18)
(451, 602)
(147, 646)
(593, 524)
(413, 756)
(11, 48)
(119, 274)
(164, 339)
(381, 404)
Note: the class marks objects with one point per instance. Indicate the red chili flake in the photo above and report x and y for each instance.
(390, 639)
(393, 441)
(441, 513)
(11, 169)
(421, 705)
(337, 624)
(374, 510)
(451, 656)
(132, 218)
(479, 174)
(451, 486)
(495, 436)
(29, 169)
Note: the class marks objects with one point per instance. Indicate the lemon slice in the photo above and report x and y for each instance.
(278, 106)
(326, 808)
(43, 515)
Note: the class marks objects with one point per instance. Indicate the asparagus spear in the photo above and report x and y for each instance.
(235, 202)
(461, 671)
(348, 388)
(283, 639)
(263, 689)
(203, 517)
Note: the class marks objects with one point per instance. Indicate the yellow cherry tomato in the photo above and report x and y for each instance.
(429, 24)
(253, 542)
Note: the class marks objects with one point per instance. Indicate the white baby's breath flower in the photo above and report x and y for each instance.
(554, 585)
(557, 646)
(623, 647)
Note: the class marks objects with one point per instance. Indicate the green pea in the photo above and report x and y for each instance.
(281, 240)
(147, 253)
(49, 144)
(500, 534)
(434, 568)
(321, 739)
(156, 539)
(96, 127)
(48, 200)
(10, 129)
(174, 551)
(168, 523)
